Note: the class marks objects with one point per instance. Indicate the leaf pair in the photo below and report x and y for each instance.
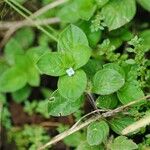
(112, 79)
(73, 53)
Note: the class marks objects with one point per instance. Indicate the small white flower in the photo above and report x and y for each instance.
(70, 72)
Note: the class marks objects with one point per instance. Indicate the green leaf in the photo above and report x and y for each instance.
(68, 13)
(145, 4)
(86, 8)
(118, 13)
(12, 80)
(27, 65)
(74, 86)
(118, 124)
(116, 67)
(71, 37)
(130, 92)
(58, 104)
(85, 146)
(33, 75)
(36, 52)
(22, 94)
(107, 101)
(93, 37)
(145, 35)
(107, 81)
(81, 55)
(12, 49)
(97, 132)
(74, 140)
(123, 143)
(25, 36)
(55, 64)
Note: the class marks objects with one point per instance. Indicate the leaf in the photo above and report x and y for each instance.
(74, 140)
(93, 37)
(81, 55)
(145, 4)
(145, 35)
(107, 81)
(116, 67)
(27, 65)
(55, 64)
(86, 8)
(68, 13)
(22, 94)
(118, 12)
(12, 80)
(36, 52)
(107, 101)
(58, 104)
(12, 49)
(118, 124)
(71, 37)
(33, 75)
(25, 36)
(97, 132)
(85, 146)
(130, 92)
(74, 86)
(123, 143)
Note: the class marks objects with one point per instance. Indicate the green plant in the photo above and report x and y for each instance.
(98, 52)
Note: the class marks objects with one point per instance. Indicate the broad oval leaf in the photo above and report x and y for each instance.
(116, 67)
(123, 143)
(12, 80)
(60, 106)
(107, 101)
(72, 87)
(97, 132)
(118, 12)
(55, 64)
(71, 37)
(130, 92)
(81, 55)
(86, 8)
(36, 52)
(107, 81)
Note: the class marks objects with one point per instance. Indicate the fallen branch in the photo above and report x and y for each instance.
(7, 25)
(88, 121)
